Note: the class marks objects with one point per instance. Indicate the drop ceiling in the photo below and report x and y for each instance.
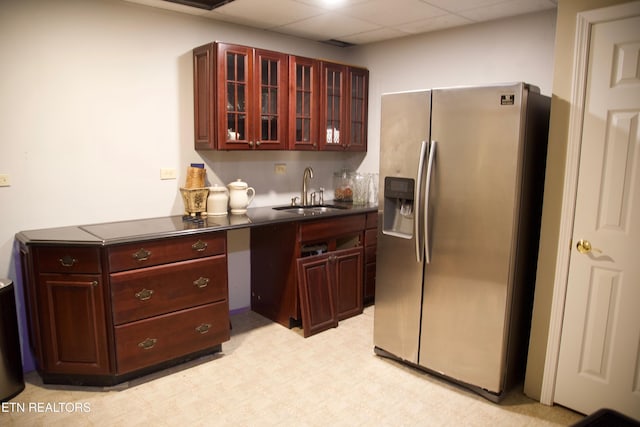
(357, 22)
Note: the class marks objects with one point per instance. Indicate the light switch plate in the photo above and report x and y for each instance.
(280, 169)
(4, 180)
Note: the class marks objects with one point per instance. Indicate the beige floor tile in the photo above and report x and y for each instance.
(268, 375)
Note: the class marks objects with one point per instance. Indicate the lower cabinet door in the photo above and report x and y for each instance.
(330, 288)
(72, 324)
(166, 337)
(348, 275)
(317, 294)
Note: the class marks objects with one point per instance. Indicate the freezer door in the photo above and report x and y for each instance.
(474, 196)
(405, 119)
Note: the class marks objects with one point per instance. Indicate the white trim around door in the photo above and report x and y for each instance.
(585, 21)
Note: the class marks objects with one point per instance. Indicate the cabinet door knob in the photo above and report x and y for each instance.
(257, 143)
(199, 246)
(68, 261)
(201, 282)
(144, 294)
(141, 254)
(203, 328)
(148, 343)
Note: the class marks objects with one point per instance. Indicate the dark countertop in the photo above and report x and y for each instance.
(171, 226)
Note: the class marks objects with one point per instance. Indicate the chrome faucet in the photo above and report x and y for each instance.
(308, 174)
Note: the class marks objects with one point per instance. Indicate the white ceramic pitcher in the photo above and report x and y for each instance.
(240, 195)
(218, 200)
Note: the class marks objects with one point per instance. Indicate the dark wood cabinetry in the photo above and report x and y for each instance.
(357, 108)
(114, 301)
(370, 250)
(73, 323)
(102, 314)
(330, 288)
(204, 108)
(252, 98)
(316, 279)
(333, 106)
(247, 99)
(343, 108)
(304, 101)
(69, 288)
(240, 98)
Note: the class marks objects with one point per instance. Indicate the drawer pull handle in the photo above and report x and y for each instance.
(144, 294)
(199, 246)
(68, 261)
(201, 282)
(204, 328)
(148, 343)
(141, 254)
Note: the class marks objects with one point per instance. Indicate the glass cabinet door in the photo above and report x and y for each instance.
(234, 68)
(333, 106)
(303, 101)
(358, 91)
(271, 77)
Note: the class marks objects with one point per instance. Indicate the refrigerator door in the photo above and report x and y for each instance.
(474, 193)
(404, 132)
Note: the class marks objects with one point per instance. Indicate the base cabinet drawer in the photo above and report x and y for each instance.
(155, 340)
(156, 252)
(67, 259)
(147, 292)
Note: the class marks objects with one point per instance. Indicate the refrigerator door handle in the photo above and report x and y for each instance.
(432, 155)
(418, 192)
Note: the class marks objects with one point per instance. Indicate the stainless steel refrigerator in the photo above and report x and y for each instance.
(461, 180)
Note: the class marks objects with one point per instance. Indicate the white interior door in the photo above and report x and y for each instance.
(599, 358)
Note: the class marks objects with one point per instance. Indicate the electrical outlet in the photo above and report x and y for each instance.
(168, 173)
(280, 169)
(4, 180)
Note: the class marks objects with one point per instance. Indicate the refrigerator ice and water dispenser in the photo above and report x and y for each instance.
(398, 207)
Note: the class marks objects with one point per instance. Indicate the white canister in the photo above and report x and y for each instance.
(218, 200)
(240, 195)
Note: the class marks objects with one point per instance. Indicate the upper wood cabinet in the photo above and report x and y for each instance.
(357, 108)
(343, 111)
(333, 106)
(247, 98)
(304, 103)
(252, 98)
(204, 96)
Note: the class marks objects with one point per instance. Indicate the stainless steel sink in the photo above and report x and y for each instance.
(310, 210)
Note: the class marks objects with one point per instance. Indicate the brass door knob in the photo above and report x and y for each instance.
(584, 247)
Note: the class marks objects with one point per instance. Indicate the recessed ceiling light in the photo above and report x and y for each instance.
(332, 3)
(202, 4)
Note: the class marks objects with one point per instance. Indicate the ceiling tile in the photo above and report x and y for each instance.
(388, 13)
(433, 24)
(506, 8)
(458, 5)
(266, 14)
(332, 4)
(373, 36)
(330, 25)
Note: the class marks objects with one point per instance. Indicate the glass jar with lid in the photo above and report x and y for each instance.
(343, 186)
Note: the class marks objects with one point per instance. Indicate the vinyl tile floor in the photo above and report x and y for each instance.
(268, 375)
